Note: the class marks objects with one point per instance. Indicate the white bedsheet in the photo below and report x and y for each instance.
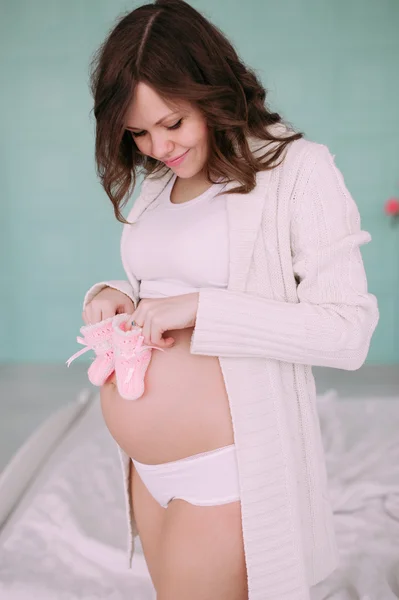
(66, 538)
(362, 450)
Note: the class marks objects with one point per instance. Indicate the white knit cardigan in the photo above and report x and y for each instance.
(296, 297)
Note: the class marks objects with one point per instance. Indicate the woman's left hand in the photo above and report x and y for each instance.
(157, 315)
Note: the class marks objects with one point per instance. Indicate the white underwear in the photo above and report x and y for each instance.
(205, 479)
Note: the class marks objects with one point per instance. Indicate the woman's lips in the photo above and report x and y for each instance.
(176, 161)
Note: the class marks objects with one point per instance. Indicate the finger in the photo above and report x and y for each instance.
(158, 340)
(124, 308)
(146, 333)
(165, 343)
(133, 319)
(95, 315)
(107, 311)
(89, 314)
(155, 336)
(128, 306)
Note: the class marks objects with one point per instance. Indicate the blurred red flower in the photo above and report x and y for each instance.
(392, 207)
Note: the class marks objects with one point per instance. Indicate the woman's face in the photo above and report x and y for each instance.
(165, 133)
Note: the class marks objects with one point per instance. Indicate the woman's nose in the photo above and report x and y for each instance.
(162, 148)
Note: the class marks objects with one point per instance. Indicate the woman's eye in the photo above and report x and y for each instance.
(176, 125)
(141, 133)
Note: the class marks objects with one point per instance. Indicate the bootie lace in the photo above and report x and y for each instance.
(138, 349)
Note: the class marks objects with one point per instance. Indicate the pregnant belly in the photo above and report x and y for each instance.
(184, 409)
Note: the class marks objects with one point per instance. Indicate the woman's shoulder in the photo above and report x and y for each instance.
(304, 154)
(299, 154)
(302, 163)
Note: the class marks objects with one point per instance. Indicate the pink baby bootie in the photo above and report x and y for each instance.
(98, 337)
(131, 358)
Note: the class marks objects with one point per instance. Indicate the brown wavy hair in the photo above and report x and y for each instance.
(174, 49)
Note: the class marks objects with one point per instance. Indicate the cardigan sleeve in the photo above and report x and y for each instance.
(122, 286)
(333, 321)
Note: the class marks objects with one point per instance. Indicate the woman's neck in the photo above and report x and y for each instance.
(187, 189)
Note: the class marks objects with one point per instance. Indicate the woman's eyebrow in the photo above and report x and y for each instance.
(158, 122)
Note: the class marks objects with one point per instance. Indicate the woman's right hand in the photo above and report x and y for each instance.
(107, 303)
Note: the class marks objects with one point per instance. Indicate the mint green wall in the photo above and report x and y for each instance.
(332, 70)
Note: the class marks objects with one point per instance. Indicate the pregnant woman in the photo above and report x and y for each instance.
(243, 265)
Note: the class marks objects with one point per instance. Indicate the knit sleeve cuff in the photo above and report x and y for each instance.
(122, 286)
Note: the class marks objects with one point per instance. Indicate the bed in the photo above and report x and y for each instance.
(62, 520)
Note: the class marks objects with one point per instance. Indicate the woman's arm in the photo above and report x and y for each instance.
(335, 318)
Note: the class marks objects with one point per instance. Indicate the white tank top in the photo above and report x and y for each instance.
(176, 249)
